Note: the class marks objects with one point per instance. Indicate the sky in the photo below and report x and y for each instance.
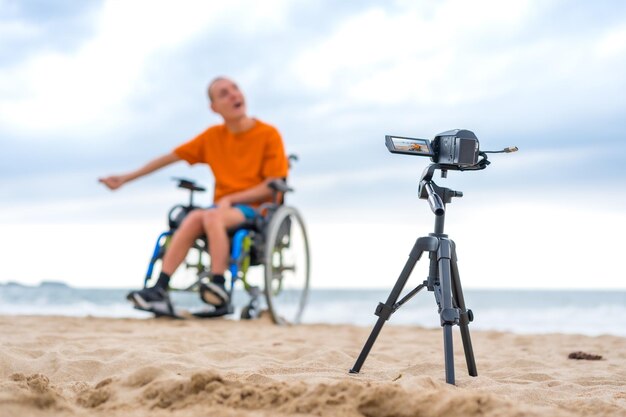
(89, 89)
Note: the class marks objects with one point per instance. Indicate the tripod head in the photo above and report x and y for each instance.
(453, 150)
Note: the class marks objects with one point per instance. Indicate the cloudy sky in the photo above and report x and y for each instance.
(89, 89)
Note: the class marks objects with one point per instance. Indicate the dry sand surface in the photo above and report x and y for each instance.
(60, 366)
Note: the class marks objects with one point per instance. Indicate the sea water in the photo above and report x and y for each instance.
(591, 312)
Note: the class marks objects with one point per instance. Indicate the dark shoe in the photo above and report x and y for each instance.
(214, 294)
(155, 300)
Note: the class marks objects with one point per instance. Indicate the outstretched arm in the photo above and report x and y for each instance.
(116, 181)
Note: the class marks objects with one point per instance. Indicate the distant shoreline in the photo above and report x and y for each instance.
(519, 311)
(339, 289)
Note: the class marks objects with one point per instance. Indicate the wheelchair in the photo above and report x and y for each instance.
(269, 255)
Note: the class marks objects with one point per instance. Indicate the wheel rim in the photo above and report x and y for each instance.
(287, 266)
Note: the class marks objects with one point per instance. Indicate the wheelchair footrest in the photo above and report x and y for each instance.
(217, 312)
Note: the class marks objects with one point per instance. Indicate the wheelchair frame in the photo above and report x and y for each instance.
(260, 241)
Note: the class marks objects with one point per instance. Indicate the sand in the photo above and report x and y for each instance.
(62, 366)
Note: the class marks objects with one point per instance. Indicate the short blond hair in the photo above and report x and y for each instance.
(216, 79)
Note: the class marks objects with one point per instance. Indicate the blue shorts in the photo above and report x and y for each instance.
(248, 212)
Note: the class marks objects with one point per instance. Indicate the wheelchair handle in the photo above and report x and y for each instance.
(188, 184)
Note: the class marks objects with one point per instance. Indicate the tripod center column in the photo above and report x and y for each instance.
(439, 224)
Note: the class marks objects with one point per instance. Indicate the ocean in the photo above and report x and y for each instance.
(521, 311)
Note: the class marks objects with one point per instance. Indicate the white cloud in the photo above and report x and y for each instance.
(613, 43)
(407, 53)
(17, 30)
(450, 59)
(319, 183)
(463, 60)
(89, 89)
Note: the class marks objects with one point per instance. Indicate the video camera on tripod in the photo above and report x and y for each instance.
(456, 150)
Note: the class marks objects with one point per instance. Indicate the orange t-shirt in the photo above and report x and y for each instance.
(238, 161)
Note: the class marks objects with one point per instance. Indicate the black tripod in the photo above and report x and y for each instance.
(443, 280)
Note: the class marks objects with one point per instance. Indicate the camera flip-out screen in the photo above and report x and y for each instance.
(410, 146)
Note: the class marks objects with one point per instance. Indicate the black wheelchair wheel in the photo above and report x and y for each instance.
(287, 266)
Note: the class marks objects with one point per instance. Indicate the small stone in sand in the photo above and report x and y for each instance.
(583, 355)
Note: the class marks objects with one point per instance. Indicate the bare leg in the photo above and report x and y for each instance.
(216, 222)
(190, 229)
(213, 223)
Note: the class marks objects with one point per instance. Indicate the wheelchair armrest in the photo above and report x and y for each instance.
(280, 186)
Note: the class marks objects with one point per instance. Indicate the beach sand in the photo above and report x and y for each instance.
(64, 366)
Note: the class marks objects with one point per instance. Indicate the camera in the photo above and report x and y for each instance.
(458, 148)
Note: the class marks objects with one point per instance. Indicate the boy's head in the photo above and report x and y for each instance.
(226, 99)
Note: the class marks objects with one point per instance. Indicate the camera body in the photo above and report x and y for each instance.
(457, 147)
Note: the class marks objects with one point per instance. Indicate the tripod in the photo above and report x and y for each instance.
(443, 280)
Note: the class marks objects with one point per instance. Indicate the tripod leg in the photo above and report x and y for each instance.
(448, 352)
(384, 311)
(465, 315)
(449, 314)
(368, 346)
